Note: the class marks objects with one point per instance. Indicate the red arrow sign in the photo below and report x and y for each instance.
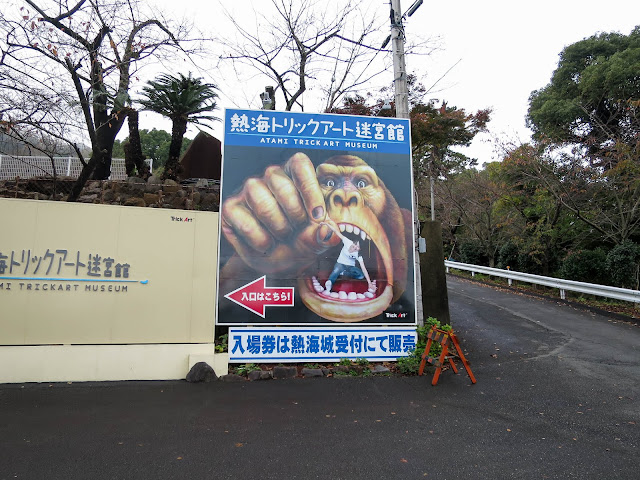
(255, 296)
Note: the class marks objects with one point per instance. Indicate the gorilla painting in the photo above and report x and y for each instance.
(277, 223)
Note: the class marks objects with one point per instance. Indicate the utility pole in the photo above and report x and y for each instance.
(431, 283)
(402, 111)
(399, 67)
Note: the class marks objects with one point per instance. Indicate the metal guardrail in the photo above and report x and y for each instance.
(625, 294)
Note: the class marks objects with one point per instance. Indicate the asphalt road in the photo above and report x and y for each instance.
(557, 397)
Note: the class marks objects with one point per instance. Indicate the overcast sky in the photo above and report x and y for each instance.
(502, 50)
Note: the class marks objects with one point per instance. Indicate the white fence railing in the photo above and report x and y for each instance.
(12, 166)
(559, 283)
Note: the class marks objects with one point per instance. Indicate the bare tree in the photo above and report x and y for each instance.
(307, 45)
(66, 68)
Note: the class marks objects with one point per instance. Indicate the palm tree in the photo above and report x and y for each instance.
(183, 100)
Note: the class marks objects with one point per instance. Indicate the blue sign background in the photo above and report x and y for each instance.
(269, 128)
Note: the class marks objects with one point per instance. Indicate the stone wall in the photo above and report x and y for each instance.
(200, 195)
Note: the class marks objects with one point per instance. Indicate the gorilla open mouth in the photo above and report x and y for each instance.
(351, 300)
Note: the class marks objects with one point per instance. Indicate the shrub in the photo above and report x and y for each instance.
(622, 264)
(244, 370)
(222, 345)
(586, 266)
(411, 364)
(508, 256)
(471, 252)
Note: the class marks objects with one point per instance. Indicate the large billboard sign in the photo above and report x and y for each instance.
(316, 220)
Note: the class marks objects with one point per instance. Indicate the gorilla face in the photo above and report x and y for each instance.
(358, 201)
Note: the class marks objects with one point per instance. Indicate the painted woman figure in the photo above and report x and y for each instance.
(346, 263)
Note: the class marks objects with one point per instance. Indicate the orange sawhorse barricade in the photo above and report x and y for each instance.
(445, 339)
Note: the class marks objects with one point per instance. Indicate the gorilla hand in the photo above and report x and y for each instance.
(274, 222)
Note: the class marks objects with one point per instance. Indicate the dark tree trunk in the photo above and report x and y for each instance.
(133, 150)
(99, 165)
(171, 169)
(105, 144)
(85, 174)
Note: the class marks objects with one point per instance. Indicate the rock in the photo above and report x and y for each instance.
(153, 180)
(177, 202)
(88, 198)
(209, 201)
(135, 202)
(153, 187)
(232, 378)
(150, 198)
(312, 372)
(134, 189)
(266, 375)
(137, 180)
(285, 372)
(170, 182)
(171, 188)
(254, 375)
(326, 371)
(381, 369)
(108, 196)
(201, 372)
(202, 182)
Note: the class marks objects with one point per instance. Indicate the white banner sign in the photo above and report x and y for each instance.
(281, 345)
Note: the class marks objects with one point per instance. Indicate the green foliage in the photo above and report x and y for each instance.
(345, 361)
(244, 370)
(363, 362)
(411, 364)
(586, 266)
(508, 256)
(623, 262)
(155, 145)
(222, 344)
(471, 252)
(436, 130)
(183, 100)
(593, 94)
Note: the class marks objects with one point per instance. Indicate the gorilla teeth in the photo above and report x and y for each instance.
(342, 295)
(353, 229)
